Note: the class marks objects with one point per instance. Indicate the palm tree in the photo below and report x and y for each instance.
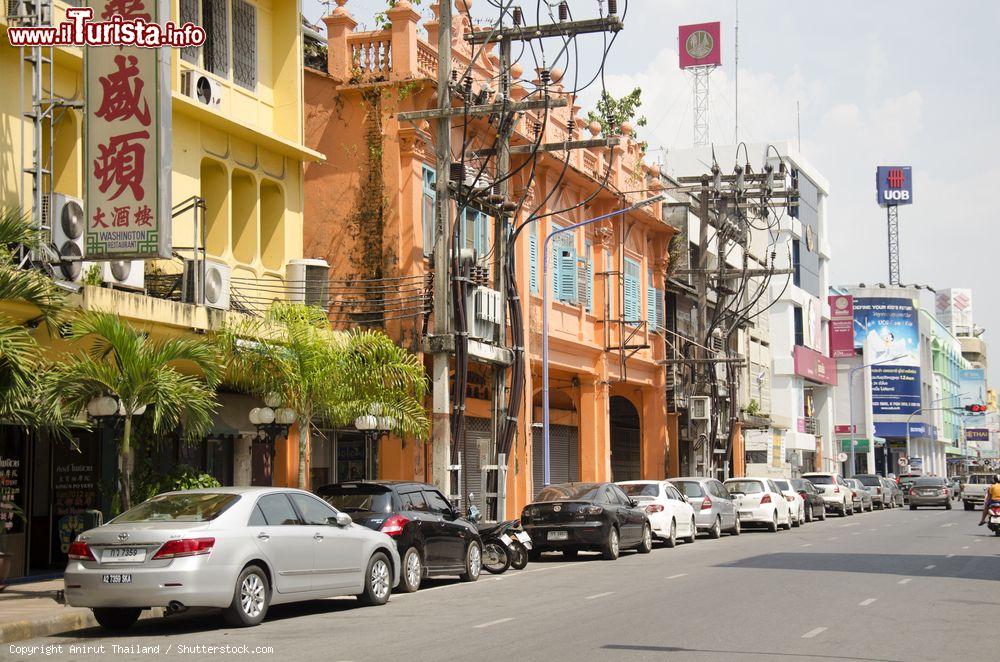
(22, 370)
(125, 363)
(325, 376)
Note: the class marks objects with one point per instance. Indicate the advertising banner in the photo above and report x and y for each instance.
(894, 185)
(972, 387)
(127, 142)
(888, 330)
(953, 308)
(977, 435)
(841, 326)
(699, 45)
(814, 366)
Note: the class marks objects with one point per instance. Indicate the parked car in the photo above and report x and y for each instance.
(930, 491)
(669, 512)
(759, 501)
(872, 484)
(240, 549)
(570, 517)
(815, 505)
(714, 510)
(834, 490)
(796, 504)
(431, 537)
(905, 481)
(891, 486)
(862, 499)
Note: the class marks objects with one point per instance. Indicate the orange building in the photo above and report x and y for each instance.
(369, 214)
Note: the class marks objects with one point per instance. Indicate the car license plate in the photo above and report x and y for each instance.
(558, 535)
(744, 514)
(123, 555)
(505, 539)
(994, 520)
(117, 578)
(523, 537)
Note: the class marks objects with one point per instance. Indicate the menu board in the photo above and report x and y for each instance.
(12, 477)
(74, 490)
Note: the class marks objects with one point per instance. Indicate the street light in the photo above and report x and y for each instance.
(373, 426)
(545, 318)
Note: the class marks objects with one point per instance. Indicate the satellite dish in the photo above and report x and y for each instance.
(71, 219)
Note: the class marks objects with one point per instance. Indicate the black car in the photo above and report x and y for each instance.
(586, 516)
(815, 506)
(432, 538)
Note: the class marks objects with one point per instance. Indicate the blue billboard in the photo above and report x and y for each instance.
(888, 330)
(894, 185)
(972, 387)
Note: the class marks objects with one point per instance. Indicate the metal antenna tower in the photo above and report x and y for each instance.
(701, 75)
(892, 212)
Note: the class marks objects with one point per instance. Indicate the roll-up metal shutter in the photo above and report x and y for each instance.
(477, 444)
(564, 456)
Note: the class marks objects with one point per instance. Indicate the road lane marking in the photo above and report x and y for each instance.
(833, 538)
(599, 595)
(966, 547)
(683, 574)
(943, 526)
(949, 556)
(496, 622)
(930, 567)
(856, 533)
(808, 544)
(865, 603)
(904, 581)
(812, 633)
(873, 529)
(851, 524)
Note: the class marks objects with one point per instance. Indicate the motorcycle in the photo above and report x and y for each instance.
(993, 520)
(504, 544)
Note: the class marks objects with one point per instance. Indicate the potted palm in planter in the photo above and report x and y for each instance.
(13, 512)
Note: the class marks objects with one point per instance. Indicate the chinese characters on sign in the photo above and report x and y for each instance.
(127, 143)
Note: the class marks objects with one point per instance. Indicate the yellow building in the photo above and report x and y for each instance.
(237, 145)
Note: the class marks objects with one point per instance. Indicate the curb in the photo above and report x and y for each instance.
(42, 627)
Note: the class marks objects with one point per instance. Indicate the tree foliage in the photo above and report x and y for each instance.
(611, 112)
(325, 376)
(121, 361)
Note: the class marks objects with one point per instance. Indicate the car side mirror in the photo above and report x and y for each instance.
(633, 503)
(341, 520)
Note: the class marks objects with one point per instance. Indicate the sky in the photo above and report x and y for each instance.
(891, 82)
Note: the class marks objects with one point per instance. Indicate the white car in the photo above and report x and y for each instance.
(670, 514)
(240, 549)
(833, 488)
(796, 504)
(759, 501)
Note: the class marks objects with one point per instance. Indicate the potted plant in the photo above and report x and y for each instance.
(6, 559)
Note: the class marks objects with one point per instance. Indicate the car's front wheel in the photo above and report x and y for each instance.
(378, 581)
(115, 618)
(413, 571)
(473, 562)
(646, 544)
(250, 599)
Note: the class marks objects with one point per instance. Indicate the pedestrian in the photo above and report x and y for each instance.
(992, 496)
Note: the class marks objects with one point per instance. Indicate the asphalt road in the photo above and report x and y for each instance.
(894, 585)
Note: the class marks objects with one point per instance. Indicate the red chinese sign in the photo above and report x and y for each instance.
(127, 142)
(814, 366)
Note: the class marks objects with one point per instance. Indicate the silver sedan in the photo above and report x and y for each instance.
(240, 549)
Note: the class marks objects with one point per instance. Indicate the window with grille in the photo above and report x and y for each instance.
(189, 14)
(215, 20)
(565, 282)
(244, 44)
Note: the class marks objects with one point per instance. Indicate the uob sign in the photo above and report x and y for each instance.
(894, 185)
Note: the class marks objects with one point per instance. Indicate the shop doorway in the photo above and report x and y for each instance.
(626, 453)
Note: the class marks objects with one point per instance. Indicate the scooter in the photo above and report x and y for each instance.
(503, 545)
(993, 519)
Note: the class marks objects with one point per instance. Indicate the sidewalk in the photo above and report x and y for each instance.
(28, 611)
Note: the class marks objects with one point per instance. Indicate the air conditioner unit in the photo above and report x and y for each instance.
(308, 282)
(201, 88)
(216, 283)
(125, 274)
(68, 225)
(700, 408)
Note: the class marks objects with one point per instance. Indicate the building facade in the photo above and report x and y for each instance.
(236, 192)
(370, 215)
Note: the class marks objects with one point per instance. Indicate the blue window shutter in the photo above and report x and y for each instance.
(650, 301)
(555, 269)
(533, 257)
(567, 275)
(631, 306)
(661, 313)
(590, 278)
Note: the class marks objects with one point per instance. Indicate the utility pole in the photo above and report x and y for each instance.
(701, 427)
(440, 419)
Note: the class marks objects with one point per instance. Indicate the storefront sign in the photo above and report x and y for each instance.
(860, 446)
(127, 142)
(898, 431)
(74, 491)
(700, 45)
(843, 429)
(894, 185)
(12, 477)
(888, 331)
(814, 366)
(977, 435)
(841, 326)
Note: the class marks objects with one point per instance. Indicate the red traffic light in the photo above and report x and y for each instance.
(975, 409)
